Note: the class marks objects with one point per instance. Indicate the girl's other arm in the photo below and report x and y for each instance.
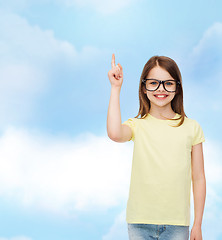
(199, 189)
(116, 131)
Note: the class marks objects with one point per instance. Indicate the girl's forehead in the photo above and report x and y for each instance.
(158, 73)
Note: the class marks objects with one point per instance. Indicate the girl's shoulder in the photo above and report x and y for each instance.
(193, 123)
(191, 120)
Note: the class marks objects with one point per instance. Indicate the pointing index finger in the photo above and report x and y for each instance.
(113, 61)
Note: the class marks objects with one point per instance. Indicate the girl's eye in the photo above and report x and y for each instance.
(169, 83)
(153, 83)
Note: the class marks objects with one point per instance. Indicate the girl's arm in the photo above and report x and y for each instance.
(116, 131)
(199, 189)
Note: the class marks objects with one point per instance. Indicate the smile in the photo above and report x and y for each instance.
(161, 96)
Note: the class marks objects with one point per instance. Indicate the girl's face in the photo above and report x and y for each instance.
(159, 74)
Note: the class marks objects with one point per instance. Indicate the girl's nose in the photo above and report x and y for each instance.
(161, 87)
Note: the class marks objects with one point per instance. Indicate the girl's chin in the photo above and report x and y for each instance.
(160, 103)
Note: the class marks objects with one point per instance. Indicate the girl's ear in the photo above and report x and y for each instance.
(144, 90)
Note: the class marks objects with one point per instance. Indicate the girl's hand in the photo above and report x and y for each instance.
(196, 233)
(115, 74)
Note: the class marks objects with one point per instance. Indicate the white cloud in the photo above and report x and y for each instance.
(119, 228)
(30, 58)
(210, 40)
(102, 6)
(27, 57)
(206, 57)
(21, 37)
(213, 155)
(66, 175)
(204, 72)
(62, 175)
(22, 43)
(13, 4)
(16, 238)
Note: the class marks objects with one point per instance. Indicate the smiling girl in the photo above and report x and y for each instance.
(167, 155)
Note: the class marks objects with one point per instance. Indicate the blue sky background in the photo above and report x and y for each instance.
(61, 177)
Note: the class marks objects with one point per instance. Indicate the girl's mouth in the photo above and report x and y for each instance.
(160, 96)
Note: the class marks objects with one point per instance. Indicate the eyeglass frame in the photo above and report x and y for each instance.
(160, 82)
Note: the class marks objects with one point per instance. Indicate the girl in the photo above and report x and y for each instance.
(167, 154)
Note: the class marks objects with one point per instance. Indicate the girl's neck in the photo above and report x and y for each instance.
(169, 113)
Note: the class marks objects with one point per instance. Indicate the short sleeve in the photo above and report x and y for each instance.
(198, 135)
(131, 122)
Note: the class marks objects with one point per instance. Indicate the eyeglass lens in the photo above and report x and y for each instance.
(153, 84)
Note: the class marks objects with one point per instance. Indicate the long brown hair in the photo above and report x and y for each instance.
(171, 67)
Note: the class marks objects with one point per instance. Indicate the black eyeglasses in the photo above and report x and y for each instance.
(152, 84)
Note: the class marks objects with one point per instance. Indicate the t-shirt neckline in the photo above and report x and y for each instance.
(162, 120)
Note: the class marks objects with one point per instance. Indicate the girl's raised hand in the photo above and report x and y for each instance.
(115, 74)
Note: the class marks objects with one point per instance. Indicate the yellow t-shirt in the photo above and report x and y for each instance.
(160, 182)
